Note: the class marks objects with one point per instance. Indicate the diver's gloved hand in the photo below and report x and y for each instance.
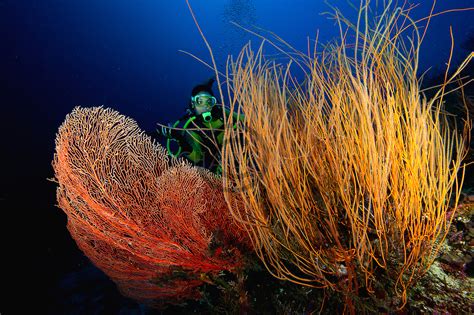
(166, 131)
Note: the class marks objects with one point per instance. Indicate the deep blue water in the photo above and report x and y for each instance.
(56, 54)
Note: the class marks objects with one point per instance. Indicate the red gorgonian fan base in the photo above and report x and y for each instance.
(156, 227)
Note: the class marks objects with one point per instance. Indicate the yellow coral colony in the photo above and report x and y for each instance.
(347, 174)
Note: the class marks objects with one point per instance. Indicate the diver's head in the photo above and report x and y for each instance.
(202, 104)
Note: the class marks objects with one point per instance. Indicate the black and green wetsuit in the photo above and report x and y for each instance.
(197, 142)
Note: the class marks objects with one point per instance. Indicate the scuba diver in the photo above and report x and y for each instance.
(199, 134)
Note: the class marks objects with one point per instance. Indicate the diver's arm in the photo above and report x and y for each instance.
(170, 132)
(236, 116)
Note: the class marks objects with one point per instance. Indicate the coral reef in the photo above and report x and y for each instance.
(341, 192)
(448, 285)
(348, 172)
(158, 228)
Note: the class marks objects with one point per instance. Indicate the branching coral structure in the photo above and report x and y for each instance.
(157, 227)
(346, 175)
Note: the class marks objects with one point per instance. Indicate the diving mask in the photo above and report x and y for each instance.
(203, 99)
(202, 104)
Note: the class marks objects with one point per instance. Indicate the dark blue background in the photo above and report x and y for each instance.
(56, 54)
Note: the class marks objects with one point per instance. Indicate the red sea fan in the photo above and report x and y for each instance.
(154, 226)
